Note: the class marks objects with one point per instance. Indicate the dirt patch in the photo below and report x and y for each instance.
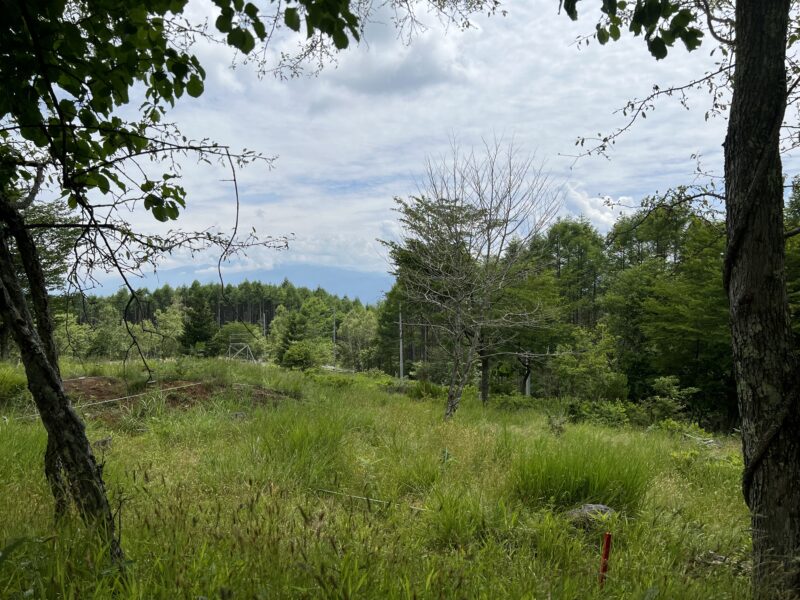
(261, 396)
(85, 391)
(89, 389)
(190, 393)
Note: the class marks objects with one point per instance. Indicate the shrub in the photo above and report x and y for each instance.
(669, 399)
(513, 402)
(611, 414)
(424, 390)
(301, 355)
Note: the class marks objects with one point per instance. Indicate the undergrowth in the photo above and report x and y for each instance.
(284, 484)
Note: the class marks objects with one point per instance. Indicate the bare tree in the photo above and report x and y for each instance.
(463, 246)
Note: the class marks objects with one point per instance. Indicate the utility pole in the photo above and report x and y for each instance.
(400, 321)
(334, 335)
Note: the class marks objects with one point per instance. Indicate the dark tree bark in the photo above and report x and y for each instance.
(485, 369)
(4, 346)
(764, 361)
(70, 466)
(525, 381)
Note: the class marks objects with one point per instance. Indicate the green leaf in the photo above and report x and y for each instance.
(99, 181)
(260, 29)
(681, 20)
(224, 21)
(248, 42)
(692, 39)
(152, 200)
(657, 47)
(251, 10)
(242, 40)
(292, 19)
(614, 32)
(570, 7)
(67, 108)
(602, 35)
(194, 87)
(340, 39)
(159, 213)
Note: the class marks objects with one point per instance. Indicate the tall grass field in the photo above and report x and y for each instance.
(264, 483)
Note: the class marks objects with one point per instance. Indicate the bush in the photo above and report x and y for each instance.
(301, 355)
(424, 390)
(513, 402)
(669, 400)
(681, 428)
(611, 414)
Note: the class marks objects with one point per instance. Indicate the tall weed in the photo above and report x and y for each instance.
(584, 466)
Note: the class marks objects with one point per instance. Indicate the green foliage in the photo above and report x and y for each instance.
(94, 54)
(669, 399)
(73, 339)
(424, 389)
(356, 338)
(791, 218)
(587, 368)
(667, 306)
(661, 22)
(303, 355)
(577, 251)
(615, 413)
(457, 518)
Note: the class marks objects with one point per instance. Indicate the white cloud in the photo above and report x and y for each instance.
(357, 135)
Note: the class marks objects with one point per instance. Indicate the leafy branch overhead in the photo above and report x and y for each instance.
(662, 22)
(67, 68)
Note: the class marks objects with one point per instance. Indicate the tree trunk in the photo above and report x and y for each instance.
(453, 400)
(463, 361)
(525, 383)
(485, 367)
(4, 347)
(70, 466)
(764, 362)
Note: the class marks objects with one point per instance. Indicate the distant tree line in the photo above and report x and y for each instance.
(292, 325)
(623, 316)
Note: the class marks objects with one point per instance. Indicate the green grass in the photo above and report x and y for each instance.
(238, 497)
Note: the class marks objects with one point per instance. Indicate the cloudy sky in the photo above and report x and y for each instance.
(357, 135)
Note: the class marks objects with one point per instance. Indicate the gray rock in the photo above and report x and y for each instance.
(588, 514)
(104, 445)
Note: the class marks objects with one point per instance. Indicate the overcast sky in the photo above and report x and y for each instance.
(357, 135)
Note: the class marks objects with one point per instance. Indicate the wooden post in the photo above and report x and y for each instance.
(400, 321)
(604, 558)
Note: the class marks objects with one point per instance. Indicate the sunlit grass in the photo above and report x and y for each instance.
(333, 486)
